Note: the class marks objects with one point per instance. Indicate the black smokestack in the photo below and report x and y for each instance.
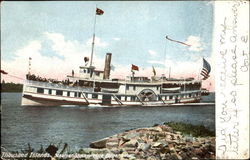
(107, 66)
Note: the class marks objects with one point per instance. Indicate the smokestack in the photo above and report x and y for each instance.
(107, 66)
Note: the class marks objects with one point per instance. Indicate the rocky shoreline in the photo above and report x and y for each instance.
(158, 142)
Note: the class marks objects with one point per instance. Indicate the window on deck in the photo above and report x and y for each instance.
(127, 87)
(59, 92)
(40, 90)
(95, 96)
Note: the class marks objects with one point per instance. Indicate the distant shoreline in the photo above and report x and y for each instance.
(11, 87)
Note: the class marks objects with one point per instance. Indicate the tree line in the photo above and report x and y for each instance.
(11, 87)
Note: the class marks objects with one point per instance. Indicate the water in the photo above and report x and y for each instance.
(80, 125)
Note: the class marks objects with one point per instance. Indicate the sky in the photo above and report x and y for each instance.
(57, 35)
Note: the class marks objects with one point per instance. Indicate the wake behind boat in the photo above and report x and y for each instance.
(95, 87)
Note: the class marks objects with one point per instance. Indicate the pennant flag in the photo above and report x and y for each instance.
(134, 67)
(205, 70)
(177, 41)
(154, 70)
(3, 72)
(86, 59)
(99, 11)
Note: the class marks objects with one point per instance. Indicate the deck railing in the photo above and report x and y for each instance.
(56, 86)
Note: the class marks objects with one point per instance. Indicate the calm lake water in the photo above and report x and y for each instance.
(80, 125)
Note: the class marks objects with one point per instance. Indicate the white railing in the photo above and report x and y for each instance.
(56, 85)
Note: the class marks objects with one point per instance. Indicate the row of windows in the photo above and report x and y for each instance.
(126, 98)
(78, 94)
(134, 87)
(180, 96)
(59, 92)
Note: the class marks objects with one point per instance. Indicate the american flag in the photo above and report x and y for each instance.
(205, 70)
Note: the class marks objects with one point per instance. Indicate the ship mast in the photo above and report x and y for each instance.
(93, 42)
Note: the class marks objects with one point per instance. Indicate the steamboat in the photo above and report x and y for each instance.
(94, 87)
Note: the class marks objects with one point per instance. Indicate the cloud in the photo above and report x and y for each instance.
(152, 53)
(98, 42)
(50, 66)
(195, 42)
(117, 39)
(64, 47)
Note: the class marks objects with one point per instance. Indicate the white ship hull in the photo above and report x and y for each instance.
(50, 96)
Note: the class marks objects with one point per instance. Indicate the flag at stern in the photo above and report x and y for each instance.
(205, 70)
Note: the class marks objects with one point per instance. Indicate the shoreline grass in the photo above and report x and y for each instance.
(194, 130)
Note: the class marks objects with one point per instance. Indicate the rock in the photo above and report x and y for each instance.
(190, 144)
(178, 148)
(171, 145)
(116, 151)
(51, 150)
(172, 137)
(144, 146)
(179, 133)
(112, 145)
(93, 151)
(151, 158)
(166, 128)
(161, 134)
(173, 156)
(165, 150)
(155, 138)
(158, 128)
(159, 144)
(209, 148)
(188, 138)
(196, 144)
(99, 144)
(130, 135)
(154, 129)
(184, 155)
(198, 151)
(168, 136)
(124, 155)
(181, 142)
(133, 143)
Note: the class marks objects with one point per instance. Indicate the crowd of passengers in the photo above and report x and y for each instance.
(49, 80)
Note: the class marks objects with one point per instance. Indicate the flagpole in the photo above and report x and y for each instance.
(169, 72)
(164, 62)
(93, 42)
(29, 65)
